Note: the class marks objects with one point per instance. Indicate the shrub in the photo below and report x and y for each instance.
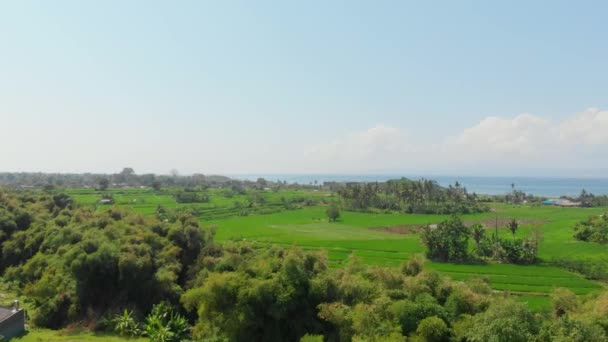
(126, 325)
(594, 229)
(163, 324)
(413, 266)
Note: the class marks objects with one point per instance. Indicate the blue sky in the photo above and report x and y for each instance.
(443, 87)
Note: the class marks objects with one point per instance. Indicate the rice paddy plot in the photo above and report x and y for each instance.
(518, 278)
(384, 239)
(307, 228)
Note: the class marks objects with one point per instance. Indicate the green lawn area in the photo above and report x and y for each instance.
(44, 335)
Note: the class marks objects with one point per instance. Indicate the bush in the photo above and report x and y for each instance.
(516, 251)
(594, 229)
(163, 324)
(413, 266)
(126, 325)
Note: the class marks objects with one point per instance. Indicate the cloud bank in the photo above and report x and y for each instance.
(519, 144)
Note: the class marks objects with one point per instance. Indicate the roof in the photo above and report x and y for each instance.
(6, 313)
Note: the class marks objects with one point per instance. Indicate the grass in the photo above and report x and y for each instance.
(536, 303)
(44, 335)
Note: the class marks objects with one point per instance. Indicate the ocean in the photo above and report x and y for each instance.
(539, 186)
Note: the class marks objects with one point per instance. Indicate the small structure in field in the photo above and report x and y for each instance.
(561, 202)
(12, 321)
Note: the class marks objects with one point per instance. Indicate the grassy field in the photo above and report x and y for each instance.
(354, 233)
(309, 229)
(44, 335)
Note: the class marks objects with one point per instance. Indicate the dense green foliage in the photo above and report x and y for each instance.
(191, 196)
(421, 196)
(594, 229)
(71, 262)
(449, 241)
(278, 294)
(87, 264)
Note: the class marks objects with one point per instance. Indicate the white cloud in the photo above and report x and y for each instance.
(379, 146)
(589, 128)
(516, 144)
(524, 136)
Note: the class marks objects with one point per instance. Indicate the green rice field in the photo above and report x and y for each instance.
(365, 235)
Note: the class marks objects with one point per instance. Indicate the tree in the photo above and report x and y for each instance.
(62, 200)
(333, 213)
(127, 171)
(156, 185)
(478, 232)
(565, 329)
(261, 183)
(410, 313)
(563, 300)
(513, 226)
(103, 184)
(433, 329)
(504, 321)
(448, 241)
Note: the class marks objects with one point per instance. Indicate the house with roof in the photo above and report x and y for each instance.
(12, 321)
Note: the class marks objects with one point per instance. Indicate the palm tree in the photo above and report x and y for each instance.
(478, 231)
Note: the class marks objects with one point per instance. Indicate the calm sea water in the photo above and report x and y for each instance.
(550, 187)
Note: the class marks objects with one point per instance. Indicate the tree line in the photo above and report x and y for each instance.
(411, 196)
(128, 178)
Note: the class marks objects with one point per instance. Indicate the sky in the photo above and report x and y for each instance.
(361, 87)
